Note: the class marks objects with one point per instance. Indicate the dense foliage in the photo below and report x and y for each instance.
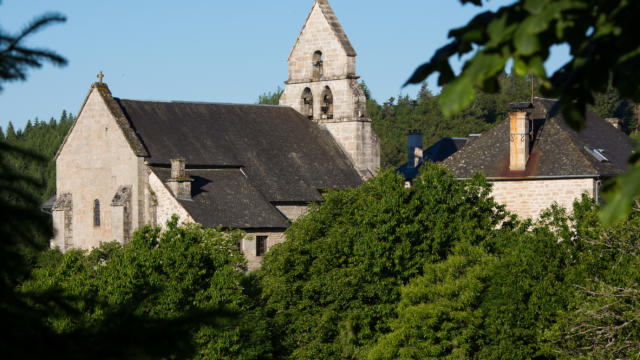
(384, 272)
(183, 279)
(333, 286)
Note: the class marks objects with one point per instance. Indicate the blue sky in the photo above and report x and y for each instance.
(217, 51)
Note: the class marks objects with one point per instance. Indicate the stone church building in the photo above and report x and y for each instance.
(129, 163)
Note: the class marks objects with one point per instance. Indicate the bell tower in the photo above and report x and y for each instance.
(323, 86)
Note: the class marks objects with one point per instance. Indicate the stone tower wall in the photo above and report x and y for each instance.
(349, 123)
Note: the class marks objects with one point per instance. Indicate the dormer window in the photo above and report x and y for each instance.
(597, 153)
(318, 65)
(307, 103)
(327, 103)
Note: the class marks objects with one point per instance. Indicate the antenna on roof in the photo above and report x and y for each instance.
(532, 79)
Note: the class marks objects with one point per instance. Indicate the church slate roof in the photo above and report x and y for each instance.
(332, 19)
(226, 198)
(556, 151)
(286, 157)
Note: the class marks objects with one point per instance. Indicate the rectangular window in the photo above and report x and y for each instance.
(96, 213)
(261, 245)
(239, 244)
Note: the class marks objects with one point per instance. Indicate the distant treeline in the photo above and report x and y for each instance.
(42, 138)
(393, 119)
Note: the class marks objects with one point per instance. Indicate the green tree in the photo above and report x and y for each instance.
(271, 98)
(524, 32)
(332, 288)
(184, 280)
(439, 315)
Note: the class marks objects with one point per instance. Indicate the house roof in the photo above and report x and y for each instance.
(226, 198)
(444, 148)
(286, 157)
(437, 152)
(334, 24)
(556, 151)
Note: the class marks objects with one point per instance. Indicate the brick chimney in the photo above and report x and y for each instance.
(414, 148)
(519, 135)
(179, 183)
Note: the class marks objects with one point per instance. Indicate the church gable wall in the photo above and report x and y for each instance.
(94, 162)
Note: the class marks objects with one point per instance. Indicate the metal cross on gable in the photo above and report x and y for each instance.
(100, 76)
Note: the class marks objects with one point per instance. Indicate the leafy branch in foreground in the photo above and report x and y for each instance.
(15, 58)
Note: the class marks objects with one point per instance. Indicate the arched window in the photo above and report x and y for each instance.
(96, 213)
(318, 65)
(307, 103)
(327, 103)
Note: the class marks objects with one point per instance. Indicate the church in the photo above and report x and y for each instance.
(130, 163)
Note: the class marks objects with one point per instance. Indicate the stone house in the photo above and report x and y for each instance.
(531, 158)
(129, 163)
(534, 159)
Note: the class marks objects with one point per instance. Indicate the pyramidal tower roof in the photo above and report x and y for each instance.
(334, 24)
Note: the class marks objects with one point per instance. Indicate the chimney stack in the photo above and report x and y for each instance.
(180, 183)
(519, 135)
(415, 148)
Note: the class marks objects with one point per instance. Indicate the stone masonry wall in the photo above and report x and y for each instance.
(528, 198)
(292, 212)
(95, 161)
(358, 140)
(167, 205)
(349, 102)
(248, 246)
(317, 35)
(349, 124)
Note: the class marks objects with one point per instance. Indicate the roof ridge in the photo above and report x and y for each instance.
(200, 102)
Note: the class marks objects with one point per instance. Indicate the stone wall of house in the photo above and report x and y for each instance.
(528, 198)
(94, 162)
(347, 119)
(163, 204)
(292, 212)
(248, 246)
